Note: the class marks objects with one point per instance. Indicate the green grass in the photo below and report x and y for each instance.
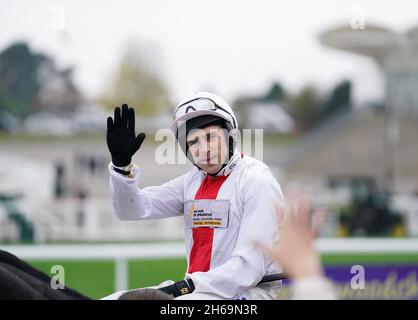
(151, 272)
(95, 278)
(92, 278)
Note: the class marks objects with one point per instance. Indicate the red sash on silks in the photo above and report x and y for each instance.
(201, 252)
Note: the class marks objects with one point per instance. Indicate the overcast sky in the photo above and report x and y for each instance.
(229, 46)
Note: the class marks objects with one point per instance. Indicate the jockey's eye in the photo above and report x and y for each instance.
(192, 142)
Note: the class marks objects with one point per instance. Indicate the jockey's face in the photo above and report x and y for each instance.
(208, 147)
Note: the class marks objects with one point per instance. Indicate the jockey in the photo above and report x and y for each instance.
(228, 200)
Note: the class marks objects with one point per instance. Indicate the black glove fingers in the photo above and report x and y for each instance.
(109, 124)
(139, 139)
(131, 120)
(121, 139)
(117, 117)
(125, 111)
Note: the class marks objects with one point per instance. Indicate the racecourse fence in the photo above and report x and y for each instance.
(122, 253)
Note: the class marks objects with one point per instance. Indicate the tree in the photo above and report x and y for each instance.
(305, 107)
(18, 78)
(310, 109)
(339, 98)
(275, 94)
(136, 83)
(31, 82)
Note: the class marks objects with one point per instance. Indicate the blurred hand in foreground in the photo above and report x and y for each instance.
(295, 251)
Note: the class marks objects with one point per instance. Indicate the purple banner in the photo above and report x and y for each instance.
(370, 282)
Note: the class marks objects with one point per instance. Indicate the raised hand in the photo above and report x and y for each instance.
(120, 136)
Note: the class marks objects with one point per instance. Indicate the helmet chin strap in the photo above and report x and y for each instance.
(215, 174)
(212, 174)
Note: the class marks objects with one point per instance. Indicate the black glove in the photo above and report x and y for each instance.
(179, 288)
(120, 136)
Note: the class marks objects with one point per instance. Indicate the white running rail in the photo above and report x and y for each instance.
(122, 253)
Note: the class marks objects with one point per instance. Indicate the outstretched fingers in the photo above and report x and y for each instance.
(117, 117)
(125, 115)
(131, 120)
(139, 139)
(109, 124)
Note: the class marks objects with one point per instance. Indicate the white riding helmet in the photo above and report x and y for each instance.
(203, 104)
